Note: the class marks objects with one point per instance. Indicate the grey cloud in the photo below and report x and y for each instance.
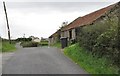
(61, 0)
(53, 4)
(59, 6)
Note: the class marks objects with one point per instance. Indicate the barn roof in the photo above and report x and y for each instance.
(88, 19)
(85, 20)
(54, 34)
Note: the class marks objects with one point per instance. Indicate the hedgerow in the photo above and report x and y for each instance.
(102, 37)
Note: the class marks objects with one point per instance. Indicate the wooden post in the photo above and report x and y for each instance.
(7, 23)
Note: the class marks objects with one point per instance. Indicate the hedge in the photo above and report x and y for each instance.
(102, 37)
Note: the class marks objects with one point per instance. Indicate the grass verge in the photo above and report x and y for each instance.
(92, 65)
(58, 45)
(6, 47)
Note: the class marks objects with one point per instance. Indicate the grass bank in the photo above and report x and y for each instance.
(92, 65)
(6, 47)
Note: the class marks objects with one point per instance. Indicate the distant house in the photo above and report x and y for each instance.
(44, 39)
(70, 31)
(35, 39)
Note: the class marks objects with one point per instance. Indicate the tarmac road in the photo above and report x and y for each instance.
(40, 60)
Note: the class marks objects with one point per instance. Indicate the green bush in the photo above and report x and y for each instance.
(88, 34)
(43, 43)
(29, 44)
(107, 46)
(102, 38)
(23, 39)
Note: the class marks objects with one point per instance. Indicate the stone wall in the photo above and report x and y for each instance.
(67, 34)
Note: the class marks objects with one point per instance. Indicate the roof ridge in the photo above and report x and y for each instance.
(86, 19)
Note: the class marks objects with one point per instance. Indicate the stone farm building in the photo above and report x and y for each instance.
(54, 38)
(70, 31)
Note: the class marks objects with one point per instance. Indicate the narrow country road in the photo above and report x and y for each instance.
(40, 60)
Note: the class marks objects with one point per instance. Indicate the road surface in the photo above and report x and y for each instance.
(40, 60)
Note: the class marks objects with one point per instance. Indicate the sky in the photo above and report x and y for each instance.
(41, 18)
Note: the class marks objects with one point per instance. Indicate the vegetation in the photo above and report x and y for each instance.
(58, 45)
(102, 38)
(98, 45)
(0, 44)
(24, 39)
(29, 44)
(6, 47)
(43, 43)
(86, 60)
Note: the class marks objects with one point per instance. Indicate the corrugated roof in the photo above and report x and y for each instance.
(54, 34)
(87, 19)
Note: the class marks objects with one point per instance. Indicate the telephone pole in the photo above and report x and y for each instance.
(7, 23)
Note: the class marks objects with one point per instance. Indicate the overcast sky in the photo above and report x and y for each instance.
(41, 18)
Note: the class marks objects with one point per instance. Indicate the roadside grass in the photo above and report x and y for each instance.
(92, 65)
(0, 46)
(58, 45)
(6, 47)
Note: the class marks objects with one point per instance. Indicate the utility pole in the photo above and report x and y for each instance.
(23, 35)
(7, 22)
